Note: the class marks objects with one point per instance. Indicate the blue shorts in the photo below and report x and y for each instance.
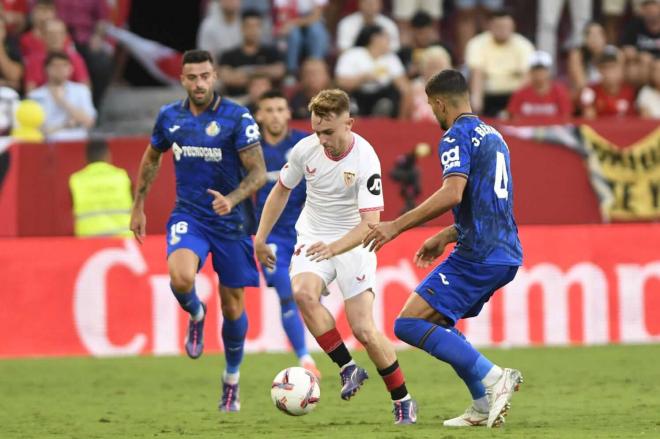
(233, 259)
(458, 287)
(283, 249)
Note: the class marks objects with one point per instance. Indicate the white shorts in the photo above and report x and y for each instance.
(354, 270)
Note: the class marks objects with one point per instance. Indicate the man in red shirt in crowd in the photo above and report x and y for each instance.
(611, 96)
(56, 39)
(543, 97)
(14, 12)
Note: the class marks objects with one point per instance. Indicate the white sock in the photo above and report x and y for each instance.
(199, 316)
(492, 376)
(350, 363)
(230, 378)
(307, 359)
(481, 405)
(405, 398)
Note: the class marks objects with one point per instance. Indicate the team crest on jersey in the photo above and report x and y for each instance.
(349, 178)
(212, 129)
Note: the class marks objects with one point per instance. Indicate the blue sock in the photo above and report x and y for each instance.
(449, 345)
(233, 337)
(291, 321)
(188, 301)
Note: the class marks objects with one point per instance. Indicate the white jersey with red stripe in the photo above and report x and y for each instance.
(338, 188)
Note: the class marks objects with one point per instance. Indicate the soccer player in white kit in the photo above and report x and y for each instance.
(344, 196)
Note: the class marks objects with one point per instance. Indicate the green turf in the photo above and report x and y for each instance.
(603, 392)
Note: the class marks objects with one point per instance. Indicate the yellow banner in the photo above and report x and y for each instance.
(627, 181)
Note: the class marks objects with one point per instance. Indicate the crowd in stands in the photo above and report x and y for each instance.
(381, 52)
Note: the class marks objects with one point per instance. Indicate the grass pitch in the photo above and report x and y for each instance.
(601, 392)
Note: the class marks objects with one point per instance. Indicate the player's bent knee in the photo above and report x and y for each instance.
(182, 282)
(305, 299)
(407, 330)
(232, 310)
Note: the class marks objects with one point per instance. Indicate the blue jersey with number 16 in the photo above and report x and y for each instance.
(206, 151)
(487, 231)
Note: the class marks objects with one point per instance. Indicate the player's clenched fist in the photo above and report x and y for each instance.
(265, 254)
(221, 204)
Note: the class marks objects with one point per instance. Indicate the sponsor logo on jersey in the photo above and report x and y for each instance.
(449, 139)
(349, 178)
(212, 129)
(310, 171)
(208, 154)
(173, 128)
(374, 184)
(444, 279)
(450, 158)
(361, 278)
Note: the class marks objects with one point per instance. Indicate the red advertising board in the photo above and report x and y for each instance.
(579, 285)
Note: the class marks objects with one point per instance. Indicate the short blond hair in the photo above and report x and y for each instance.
(328, 102)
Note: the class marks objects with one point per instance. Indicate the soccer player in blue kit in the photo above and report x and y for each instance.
(477, 186)
(219, 165)
(273, 115)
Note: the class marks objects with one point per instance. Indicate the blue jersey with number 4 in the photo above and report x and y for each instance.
(487, 232)
(276, 157)
(206, 156)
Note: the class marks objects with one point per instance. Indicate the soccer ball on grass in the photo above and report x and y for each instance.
(295, 391)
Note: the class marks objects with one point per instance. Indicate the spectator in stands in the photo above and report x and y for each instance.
(613, 11)
(34, 40)
(432, 60)
(101, 195)
(548, 15)
(641, 42)
(314, 77)
(258, 84)
(582, 66)
(424, 35)
(369, 13)
(85, 20)
(221, 28)
(498, 61)
(543, 97)
(14, 13)
(300, 23)
(374, 76)
(56, 39)
(404, 12)
(70, 113)
(611, 96)
(470, 17)
(648, 101)
(236, 65)
(11, 69)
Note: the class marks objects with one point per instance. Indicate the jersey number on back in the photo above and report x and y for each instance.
(501, 177)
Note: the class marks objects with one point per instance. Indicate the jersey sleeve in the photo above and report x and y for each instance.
(370, 190)
(246, 131)
(159, 138)
(455, 154)
(292, 171)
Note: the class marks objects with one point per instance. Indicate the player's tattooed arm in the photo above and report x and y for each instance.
(148, 170)
(149, 167)
(252, 159)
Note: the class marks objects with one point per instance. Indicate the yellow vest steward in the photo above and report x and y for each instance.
(102, 200)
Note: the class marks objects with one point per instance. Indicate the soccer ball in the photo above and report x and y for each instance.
(295, 391)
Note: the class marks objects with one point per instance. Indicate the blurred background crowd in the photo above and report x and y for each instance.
(109, 64)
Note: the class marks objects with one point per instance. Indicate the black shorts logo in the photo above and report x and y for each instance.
(374, 184)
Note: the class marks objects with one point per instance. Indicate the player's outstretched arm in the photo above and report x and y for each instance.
(252, 159)
(321, 251)
(271, 212)
(147, 173)
(448, 196)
